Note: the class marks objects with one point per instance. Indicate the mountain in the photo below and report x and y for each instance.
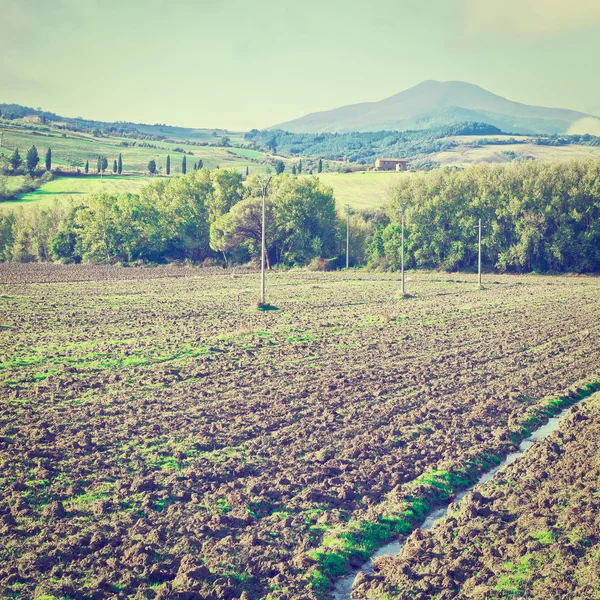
(434, 104)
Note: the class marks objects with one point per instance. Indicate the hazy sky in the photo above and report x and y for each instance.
(240, 64)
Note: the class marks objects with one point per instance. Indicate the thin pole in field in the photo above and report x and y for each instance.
(263, 244)
(479, 255)
(347, 236)
(402, 251)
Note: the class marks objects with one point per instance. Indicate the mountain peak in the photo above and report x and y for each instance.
(433, 103)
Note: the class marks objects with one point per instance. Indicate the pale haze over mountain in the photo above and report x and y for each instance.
(439, 103)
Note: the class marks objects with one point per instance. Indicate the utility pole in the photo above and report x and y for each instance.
(402, 251)
(263, 253)
(479, 256)
(347, 236)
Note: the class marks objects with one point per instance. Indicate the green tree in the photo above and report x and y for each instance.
(104, 163)
(200, 164)
(279, 167)
(115, 166)
(152, 166)
(293, 169)
(49, 159)
(120, 164)
(242, 226)
(168, 166)
(32, 158)
(99, 165)
(87, 166)
(299, 166)
(184, 165)
(320, 167)
(247, 171)
(15, 159)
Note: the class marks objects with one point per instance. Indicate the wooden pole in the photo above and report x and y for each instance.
(347, 236)
(263, 244)
(402, 251)
(479, 257)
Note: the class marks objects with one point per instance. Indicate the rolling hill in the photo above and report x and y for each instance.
(433, 104)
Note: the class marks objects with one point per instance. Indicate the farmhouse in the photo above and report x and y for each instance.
(390, 164)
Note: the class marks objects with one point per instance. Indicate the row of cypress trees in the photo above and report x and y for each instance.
(32, 159)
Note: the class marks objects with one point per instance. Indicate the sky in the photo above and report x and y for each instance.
(238, 64)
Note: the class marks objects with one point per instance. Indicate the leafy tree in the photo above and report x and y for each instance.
(152, 166)
(320, 167)
(120, 164)
(49, 159)
(104, 163)
(272, 145)
(279, 167)
(242, 226)
(87, 166)
(115, 166)
(184, 165)
(168, 166)
(293, 169)
(301, 221)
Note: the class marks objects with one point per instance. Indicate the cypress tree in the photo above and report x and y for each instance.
(200, 164)
(99, 165)
(320, 167)
(104, 163)
(87, 166)
(33, 158)
(15, 159)
(168, 167)
(300, 167)
(293, 169)
(49, 159)
(120, 164)
(195, 166)
(247, 171)
(184, 165)
(115, 166)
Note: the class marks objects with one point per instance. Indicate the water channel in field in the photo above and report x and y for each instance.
(343, 587)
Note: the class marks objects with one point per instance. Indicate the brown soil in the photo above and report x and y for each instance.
(156, 442)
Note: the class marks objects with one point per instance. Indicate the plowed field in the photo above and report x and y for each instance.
(157, 442)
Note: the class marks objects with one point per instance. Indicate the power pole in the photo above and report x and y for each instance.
(347, 236)
(402, 251)
(263, 253)
(479, 256)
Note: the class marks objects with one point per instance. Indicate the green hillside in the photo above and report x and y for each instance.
(70, 150)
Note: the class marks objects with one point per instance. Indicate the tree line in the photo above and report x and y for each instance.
(536, 217)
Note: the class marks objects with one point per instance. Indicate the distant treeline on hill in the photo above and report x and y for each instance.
(365, 147)
(536, 217)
